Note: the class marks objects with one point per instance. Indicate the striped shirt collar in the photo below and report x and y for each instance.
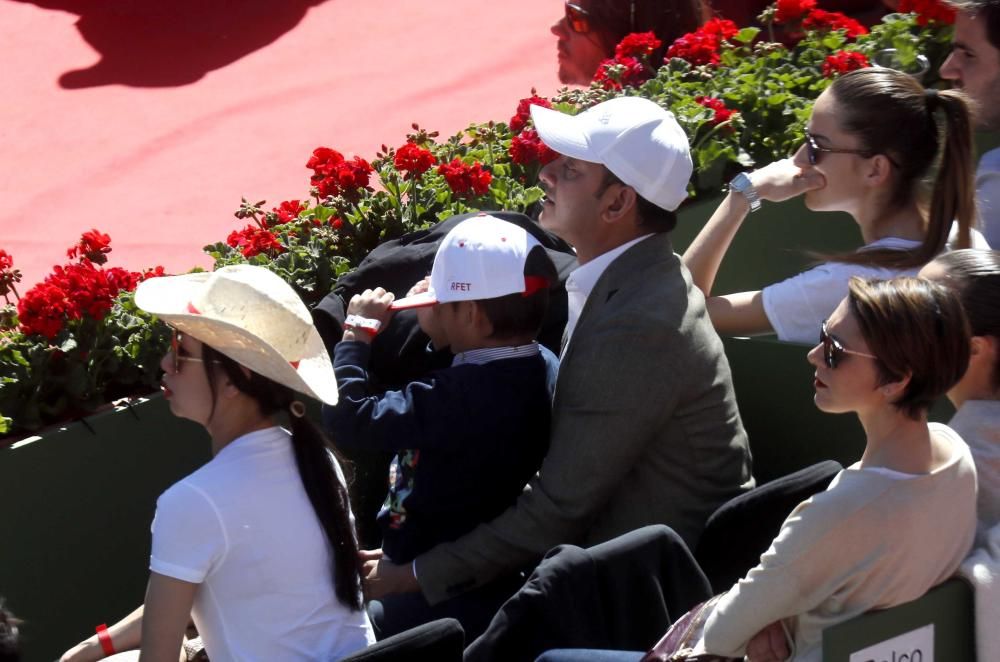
(487, 354)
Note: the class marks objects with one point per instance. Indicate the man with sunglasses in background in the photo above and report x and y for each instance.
(590, 29)
(974, 67)
(645, 428)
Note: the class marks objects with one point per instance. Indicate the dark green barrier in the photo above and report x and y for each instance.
(946, 610)
(78, 504)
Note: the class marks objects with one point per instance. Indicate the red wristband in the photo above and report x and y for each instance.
(105, 639)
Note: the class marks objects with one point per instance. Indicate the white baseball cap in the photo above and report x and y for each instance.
(483, 257)
(636, 139)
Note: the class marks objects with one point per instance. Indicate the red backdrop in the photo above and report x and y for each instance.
(150, 120)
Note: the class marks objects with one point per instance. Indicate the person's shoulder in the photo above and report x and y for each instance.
(990, 161)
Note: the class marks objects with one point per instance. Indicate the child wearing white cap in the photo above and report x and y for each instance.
(467, 437)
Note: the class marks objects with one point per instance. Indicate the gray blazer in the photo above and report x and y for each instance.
(645, 429)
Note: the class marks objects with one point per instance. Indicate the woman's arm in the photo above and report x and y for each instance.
(166, 617)
(741, 313)
(125, 635)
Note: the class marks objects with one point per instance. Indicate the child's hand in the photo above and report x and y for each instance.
(373, 304)
(370, 304)
(420, 286)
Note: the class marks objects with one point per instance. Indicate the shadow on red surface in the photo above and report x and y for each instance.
(169, 44)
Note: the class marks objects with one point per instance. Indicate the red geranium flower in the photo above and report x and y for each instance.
(819, 19)
(637, 44)
(928, 10)
(333, 175)
(629, 71)
(722, 114)
(413, 160)
(523, 114)
(253, 240)
(337, 223)
(528, 148)
(721, 28)
(69, 293)
(843, 61)
(793, 10)
(288, 211)
(463, 179)
(93, 246)
(6, 261)
(702, 46)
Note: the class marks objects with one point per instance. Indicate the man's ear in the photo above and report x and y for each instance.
(620, 201)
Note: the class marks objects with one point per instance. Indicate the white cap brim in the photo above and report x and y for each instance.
(563, 133)
(421, 300)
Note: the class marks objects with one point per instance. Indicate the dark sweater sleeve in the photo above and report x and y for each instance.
(414, 417)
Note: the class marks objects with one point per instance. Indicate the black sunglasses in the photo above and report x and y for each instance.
(833, 349)
(813, 150)
(578, 18)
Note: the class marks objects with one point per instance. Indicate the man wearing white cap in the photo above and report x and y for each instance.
(645, 428)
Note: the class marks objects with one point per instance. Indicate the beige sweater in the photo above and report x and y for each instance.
(872, 540)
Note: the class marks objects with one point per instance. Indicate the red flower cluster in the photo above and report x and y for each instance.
(463, 179)
(413, 160)
(843, 61)
(722, 114)
(71, 292)
(527, 148)
(523, 114)
(93, 246)
(6, 261)
(637, 44)
(254, 240)
(789, 11)
(334, 175)
(631, 72)
(819, 19)
(928, 10)
(702, 46)
(288, 211)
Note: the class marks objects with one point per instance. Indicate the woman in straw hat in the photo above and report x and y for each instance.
(257, 547)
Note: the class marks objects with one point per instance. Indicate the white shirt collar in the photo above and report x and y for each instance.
(582, 280)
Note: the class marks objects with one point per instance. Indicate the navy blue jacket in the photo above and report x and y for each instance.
(468, 438)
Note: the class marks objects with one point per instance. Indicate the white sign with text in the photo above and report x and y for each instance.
(913, 646)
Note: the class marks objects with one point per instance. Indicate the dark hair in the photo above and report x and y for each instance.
(667, 19)
(988, 10)
(652, 217)
(516, 314)
(974, 275)
(915, 327)
(893, 115)
(326, 492)
(10, 649)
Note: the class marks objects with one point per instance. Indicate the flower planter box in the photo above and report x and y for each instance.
(78, 503)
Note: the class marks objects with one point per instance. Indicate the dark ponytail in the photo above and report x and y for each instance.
(326, 492)
(892, 114)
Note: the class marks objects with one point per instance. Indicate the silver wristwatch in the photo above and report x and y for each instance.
(741, 184)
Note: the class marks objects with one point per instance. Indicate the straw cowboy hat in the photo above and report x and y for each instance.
(252, 316)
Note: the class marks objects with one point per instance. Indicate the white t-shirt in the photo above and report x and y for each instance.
(243, 528)
(797, 306)
(988, 196)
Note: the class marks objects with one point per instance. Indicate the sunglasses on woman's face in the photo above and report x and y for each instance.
(177, 351)
(834, 350)
(813, 150)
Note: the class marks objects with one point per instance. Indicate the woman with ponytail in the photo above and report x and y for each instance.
(873, 137)
(257, 547)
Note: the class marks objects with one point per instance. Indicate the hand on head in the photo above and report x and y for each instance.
(372, 304)
(783, 179)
